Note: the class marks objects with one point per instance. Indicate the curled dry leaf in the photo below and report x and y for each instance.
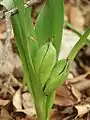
(64, 97)
(82, 109)
(82, 85)
(78, 78)
(70, 77)
(78, 84)
(17, 100)
(28, 104)
(77, 88)
(4, 102)
(4, 115)
(76, 18)
(76, 93)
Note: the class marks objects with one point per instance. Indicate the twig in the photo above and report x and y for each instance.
(8, 34)
(27, 4)
(15, 10)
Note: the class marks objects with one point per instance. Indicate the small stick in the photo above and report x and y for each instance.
(27, 4)
(8, 34)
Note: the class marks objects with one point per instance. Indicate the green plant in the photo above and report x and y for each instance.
(39, 48)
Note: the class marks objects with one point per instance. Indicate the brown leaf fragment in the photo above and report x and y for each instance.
(82, 109)
(78, 78)
(4, 102)
(17, 100)
(4, 115)
(61, 101)
(76, 93)
(76, 18)
(63, 96)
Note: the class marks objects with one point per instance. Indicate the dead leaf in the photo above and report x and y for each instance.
(2, 36)
(29, 118)
(28, 104)
(64, 97)
(76, 93)
(3, 26)
(82, 109)
(61, 101)
(4, 102)
(76, 18)
(56, 115)
(18, 115)
(82, 85)
(78, 78)
(17, 100)
(4, 114)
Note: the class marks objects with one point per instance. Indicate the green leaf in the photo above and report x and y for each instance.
(48, 104)
(56, 77)
(50, 23)
(45, 61)
(27, 28)
(21, 34)
(58, 67)
(19, 41)
(40, 54)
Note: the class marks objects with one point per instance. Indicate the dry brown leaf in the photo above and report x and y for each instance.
(70, 76)
(4, 114)
(76, 93)
(56, 115)
(4, 102)
(63, 96)
(28, 111)
(17, 100)
(78, 78)
(3, 26)
(62, 101)
(28, 104)
(82, 85)
(82, 109)
(29, 118)
(76, 18)
(2, 36)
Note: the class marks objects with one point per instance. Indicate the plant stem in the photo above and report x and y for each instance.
(75, 31)
(40, 111)
(78, 45)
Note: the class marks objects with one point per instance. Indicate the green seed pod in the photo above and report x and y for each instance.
(44, 62)
(58, 75)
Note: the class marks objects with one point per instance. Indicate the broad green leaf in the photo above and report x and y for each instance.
(47, 64)
(44, 62)
(8, 4)
(58, 68)
(19, 41)
(50, 23)
(57, 79)
(40, 54)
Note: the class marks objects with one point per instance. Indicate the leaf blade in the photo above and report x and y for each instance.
(50, 23)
